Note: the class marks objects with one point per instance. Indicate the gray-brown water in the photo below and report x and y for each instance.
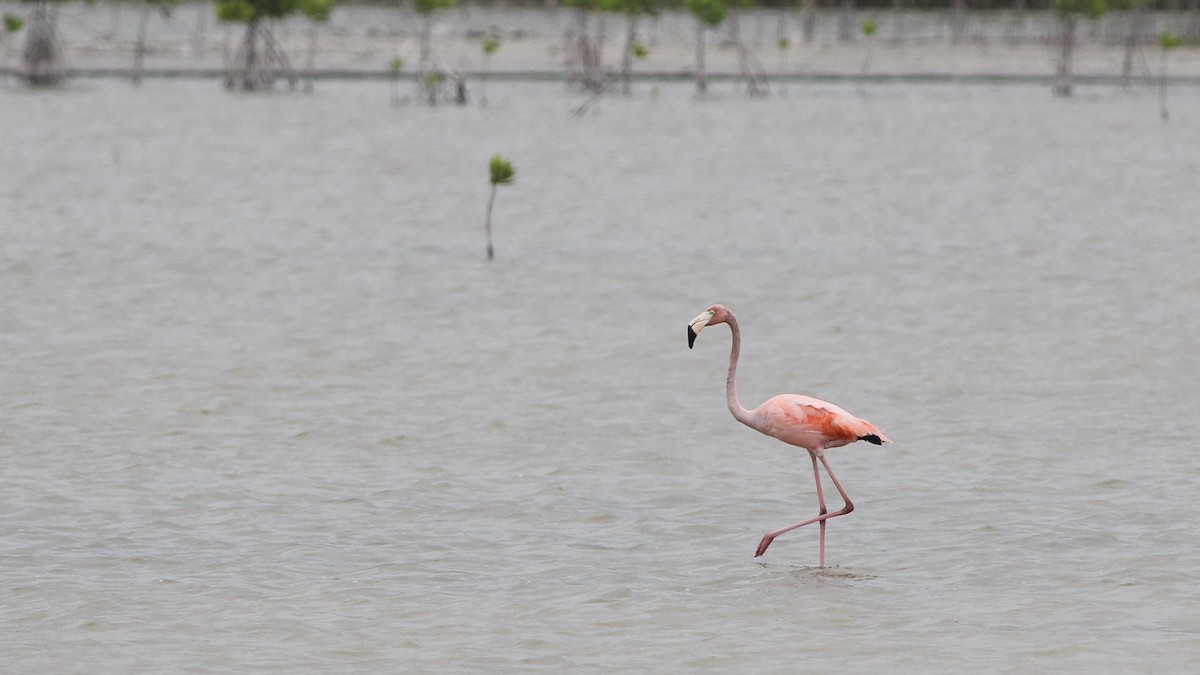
(267, 408)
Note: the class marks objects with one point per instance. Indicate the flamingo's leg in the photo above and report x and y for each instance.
(820, 502)
(845, 497)
(770, 536)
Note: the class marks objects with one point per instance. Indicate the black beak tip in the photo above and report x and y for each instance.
(691, 337)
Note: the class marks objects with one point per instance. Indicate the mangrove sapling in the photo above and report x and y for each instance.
(1015, 30)
(395, 67)
(42, 55)
(631, 21)
(585, 65)
(783, 44)
(199, 35)
(633, 10)
(490, 45)
(317, 12)
(501, 173)
(709, 14)
(254, 67)
(1137, 18)
(12, 25)
(431, 86)
(164, 8)
(1168, 42)
(748, 65)
(603, 8)
(460, 89)
(809, 22)
(1069, 12)
(868, 31)
(846, 21)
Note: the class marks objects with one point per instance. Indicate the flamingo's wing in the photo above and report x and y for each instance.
(812, 423)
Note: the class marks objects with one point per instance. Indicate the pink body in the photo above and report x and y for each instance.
(809, 423)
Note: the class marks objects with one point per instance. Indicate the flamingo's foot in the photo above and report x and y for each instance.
(762, 545)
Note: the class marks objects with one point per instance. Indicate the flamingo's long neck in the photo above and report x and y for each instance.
(731, 398)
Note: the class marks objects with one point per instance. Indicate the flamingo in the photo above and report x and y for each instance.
(803, 421)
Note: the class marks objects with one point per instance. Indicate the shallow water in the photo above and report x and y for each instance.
(266, 406)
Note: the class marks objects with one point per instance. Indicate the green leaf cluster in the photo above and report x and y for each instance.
(637, 7)
(397, 64)
(501, 170)
(868, 27)
(13, 23)
(1092, 9)
(317, 10)
(1168, 41)
(490, 45)
(251, 10)
(426, 7)
(650, 7)
(711, 12)
(640, 51)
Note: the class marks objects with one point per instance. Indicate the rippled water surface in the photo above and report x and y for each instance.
(266, 407)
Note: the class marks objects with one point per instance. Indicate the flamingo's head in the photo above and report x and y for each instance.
(710, 316)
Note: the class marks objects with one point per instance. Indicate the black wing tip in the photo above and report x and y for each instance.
(871, 438)
(691, 337)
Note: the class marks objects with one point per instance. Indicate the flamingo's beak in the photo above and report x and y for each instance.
(696, 325)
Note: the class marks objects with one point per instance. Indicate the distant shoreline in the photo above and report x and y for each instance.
(360, 41)
(645, 76)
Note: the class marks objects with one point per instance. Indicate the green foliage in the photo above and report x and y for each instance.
(251, 10)
(275, 9)
(633, 7)
(868, 27)
(490, 45)
(1168, 41)
(783, 43)
(234, 10)
(397, 64)
(426, 7)
(640, 51)
(13, 23)
(710, 12)
(1092, 9)
(501, 170)
(317, 11)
